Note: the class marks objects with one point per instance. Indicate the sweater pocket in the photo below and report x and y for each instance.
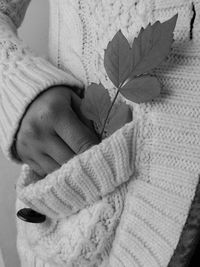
(84, 239)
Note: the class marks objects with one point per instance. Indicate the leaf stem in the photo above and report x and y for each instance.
(109, 113)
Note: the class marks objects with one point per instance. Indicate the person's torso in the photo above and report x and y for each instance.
(80, 31)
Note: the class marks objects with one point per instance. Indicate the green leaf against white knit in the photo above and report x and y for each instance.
(141, 89)
(96, 103)
(152, 46)
(120, 115)
(117, 59)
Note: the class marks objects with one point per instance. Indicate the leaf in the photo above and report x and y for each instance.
(141, 89)
(117, 59)
(119, 116)
(96, 103)
(152, 46)
(95, 107)
(124, 64)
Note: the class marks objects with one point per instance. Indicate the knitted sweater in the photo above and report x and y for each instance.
(150, 167)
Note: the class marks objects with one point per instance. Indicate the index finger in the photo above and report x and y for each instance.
(75, 133)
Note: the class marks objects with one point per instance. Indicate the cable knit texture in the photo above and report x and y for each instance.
(125, 201)
(23, 75)
(86, 238)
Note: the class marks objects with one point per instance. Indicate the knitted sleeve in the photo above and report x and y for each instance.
(84, 179)
(23, 75)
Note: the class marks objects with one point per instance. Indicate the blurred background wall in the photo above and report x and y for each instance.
(34, 31)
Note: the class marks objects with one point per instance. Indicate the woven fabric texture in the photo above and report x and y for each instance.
(144, 177)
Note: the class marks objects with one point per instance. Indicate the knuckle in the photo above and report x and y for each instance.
(46, 114)
(27, 142)
(50, 113)
(27, 132)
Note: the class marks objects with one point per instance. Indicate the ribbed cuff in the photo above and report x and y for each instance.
(84, 179)
(19, 86)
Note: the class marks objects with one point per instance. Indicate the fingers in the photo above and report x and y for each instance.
(59, 150)
(52, 155)
(74, 133)
(36, 167)
(53, 112)
(48, 164)
(42, 164)
(76, 106)
(47, 155)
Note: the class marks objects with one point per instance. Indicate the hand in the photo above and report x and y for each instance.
(53, 130)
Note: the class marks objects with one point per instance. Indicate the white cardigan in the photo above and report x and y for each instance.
(155, 157)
